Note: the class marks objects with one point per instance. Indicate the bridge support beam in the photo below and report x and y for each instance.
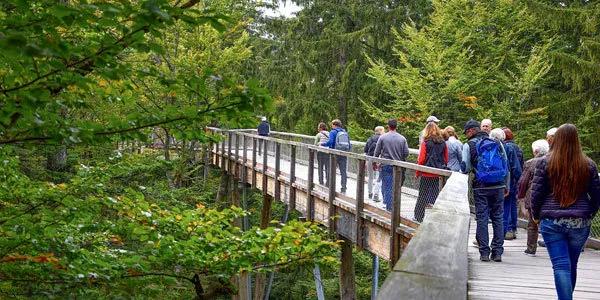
(347, 281)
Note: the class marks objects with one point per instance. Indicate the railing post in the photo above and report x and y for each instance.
(292, 202)
(254, 142)
(277, 191)
(331, 198)
(310, 203)
(360, 203)
(229, 153)
(244, 161)
(395, 242)
(264, 170)
(223, 153)
(236, 169)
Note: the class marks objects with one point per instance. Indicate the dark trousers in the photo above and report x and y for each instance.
(429, 189)
(489, 204)
(342, 163)
(532, 235)
(510, 213)
(323, 167)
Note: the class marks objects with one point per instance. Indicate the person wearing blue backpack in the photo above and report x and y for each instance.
(339, 140)
(486, 159)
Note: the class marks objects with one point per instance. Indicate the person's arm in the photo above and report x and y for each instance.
(368, 145)
(331, 141)
(317, 139)
(405, 150)
(378, 147)
(595, 189)
(507, 165)
(525, 180)
(422, 154)
(465, 165)
(446, 154)
(539, 189)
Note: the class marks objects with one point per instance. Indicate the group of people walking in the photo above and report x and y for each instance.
(559, 186)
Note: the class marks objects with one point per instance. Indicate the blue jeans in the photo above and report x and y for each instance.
(510, 213)
(387, 185)
(489, 204)
(564, 245)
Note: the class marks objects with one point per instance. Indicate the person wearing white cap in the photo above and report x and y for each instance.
(264, 129)
(429, 120)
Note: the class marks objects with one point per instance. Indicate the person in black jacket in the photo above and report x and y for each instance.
(372, 167)
(264, 129)
(565, 196)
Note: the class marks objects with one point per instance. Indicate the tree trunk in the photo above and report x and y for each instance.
(342, 100)
(167, 144)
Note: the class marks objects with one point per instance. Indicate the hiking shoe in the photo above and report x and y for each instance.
(475, 243)
(529, 252)
(484, 258)
(509, 236)
(497, 258)
(343, 191)
(376, 199)
(370, 195)
(541, 243)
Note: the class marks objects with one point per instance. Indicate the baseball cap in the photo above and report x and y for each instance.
(471, 124)
(263, 118)
(433, 119)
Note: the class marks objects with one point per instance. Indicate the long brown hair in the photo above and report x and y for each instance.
(433, 132)
(568, 167)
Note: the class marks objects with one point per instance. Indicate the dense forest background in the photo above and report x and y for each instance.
(88, 209)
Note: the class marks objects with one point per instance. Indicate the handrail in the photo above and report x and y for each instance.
(403, 164)
(434, 265)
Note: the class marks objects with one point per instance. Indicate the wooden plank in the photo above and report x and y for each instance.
(223, 165)
(360, 203)
(292, 201)
(277, 171)
(310, 201)
(395, 217)
(236, 167)
(229, 153)
(347, 285)
(244, 160)
(331, 181)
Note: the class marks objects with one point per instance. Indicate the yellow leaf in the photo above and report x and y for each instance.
(178, 217)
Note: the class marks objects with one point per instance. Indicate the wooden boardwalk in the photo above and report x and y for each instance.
(519, 276)
(441, 263)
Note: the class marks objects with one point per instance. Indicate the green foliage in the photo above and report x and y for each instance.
(103, 233)
(69, 71)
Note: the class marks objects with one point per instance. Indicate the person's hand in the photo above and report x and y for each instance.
(506, 192)
(535, 221)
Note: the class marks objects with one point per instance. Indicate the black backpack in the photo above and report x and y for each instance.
(435, 155)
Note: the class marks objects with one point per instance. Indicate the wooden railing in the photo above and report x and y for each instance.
(434, 265)
(367, 226)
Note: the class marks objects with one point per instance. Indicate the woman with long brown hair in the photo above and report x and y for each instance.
(433, 152)
(565, 195)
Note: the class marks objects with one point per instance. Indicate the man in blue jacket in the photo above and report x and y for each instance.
(332, 143)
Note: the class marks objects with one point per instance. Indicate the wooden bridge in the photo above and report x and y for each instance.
(432, 260)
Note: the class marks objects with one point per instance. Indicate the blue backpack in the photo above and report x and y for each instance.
(342, 141)
(491, 165)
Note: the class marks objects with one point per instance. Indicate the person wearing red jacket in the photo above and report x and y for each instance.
(433, 152)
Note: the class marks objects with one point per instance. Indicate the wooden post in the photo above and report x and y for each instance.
(236, 168)
(254, 162)
(360, 203)
(229, 153)
(395, 242)
(331, 198)
(223, 154)
(292, 202)
(244, 161)
(277, 171)
(347, 286)
(310, 200)
(264, 169)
